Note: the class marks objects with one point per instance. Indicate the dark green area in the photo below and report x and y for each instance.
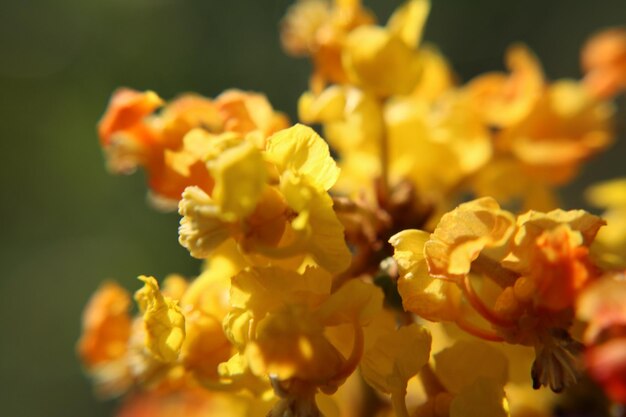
(67, 224)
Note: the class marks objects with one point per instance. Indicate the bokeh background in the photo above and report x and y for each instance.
(67, 224)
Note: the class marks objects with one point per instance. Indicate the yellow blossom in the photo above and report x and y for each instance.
(279, 322)
(384, 60)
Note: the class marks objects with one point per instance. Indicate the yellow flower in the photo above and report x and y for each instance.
(289, 220)
(164, 322)
(384, 60)
(280, 319)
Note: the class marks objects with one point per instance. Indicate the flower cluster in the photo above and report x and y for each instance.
(413, 262)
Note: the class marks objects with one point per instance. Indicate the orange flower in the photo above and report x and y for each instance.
(133, 136)
(604, 62)
(106, 326)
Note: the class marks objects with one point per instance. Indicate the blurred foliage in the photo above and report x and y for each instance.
(67, 224)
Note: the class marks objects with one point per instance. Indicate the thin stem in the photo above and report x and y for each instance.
(399, 403)
(480, 307)
(477, 331)
(342, 204)
(384, 165)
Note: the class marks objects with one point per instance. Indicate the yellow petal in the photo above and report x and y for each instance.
(532, 224)
(408, 21)
(409, 248)
(164, 322)
(317, 223)
(325, 107)
(240, 176)
(300, 150)
(378, 61)
(260, 290)
(354, 302)
(436, 76)
(395, 358)
(290, 343)
(608, 194)
(465, 362)
(428, 297)
(485, 397)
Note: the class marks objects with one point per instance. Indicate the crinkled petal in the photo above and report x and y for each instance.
(463, 233)
(163, 320)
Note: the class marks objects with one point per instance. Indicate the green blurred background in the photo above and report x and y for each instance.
(67, 224)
